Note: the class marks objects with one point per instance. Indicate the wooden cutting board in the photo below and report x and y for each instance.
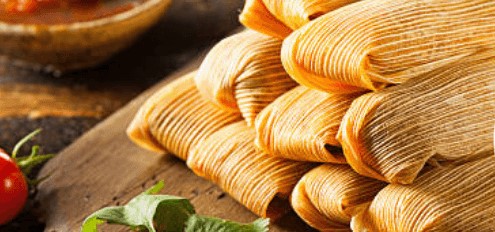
(103, 168)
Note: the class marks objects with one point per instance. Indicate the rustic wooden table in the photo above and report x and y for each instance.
(104, 168)
(68, 106)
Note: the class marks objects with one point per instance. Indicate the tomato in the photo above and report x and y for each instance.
(13, 188)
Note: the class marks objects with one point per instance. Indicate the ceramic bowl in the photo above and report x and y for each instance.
(79, 45)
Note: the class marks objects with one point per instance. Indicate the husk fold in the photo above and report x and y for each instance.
(455, 198)
(256, 16)
(176, 118)
(438, 118)
(244, 73)
(258, 181)
(302, 125)
(371, 44)
(329, 195)
(278, 18)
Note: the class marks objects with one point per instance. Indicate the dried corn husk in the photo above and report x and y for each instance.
(176, 118)
(255, 16)
(244, 73)
(230, 159)
(458, 198)
(328, 196)
(302, 125)
(438, 118)
(370, 44)
(278, 17)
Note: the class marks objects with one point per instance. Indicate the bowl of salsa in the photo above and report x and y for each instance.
(66, 35)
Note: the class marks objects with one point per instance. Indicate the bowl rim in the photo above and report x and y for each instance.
(21, 28)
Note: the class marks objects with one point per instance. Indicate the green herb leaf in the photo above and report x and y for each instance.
(146, 211)
(207, 224)
(165, 214)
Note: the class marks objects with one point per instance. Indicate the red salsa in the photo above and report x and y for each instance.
(61, 11)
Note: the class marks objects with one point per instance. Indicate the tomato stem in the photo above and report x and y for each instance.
(27, 163)
(23, 141)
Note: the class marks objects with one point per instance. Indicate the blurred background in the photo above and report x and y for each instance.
(68, 105)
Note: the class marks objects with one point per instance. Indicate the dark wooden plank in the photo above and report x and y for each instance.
(104, 168)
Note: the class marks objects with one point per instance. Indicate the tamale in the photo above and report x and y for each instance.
(372, 44)
(278, 18)
(258, 181)
(176, 118)
(244, 73)
(438, 118)
(329, 195)
(455, 198)
(302, 125)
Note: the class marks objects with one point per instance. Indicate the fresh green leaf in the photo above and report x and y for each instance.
(165, 214)
(208, 224)
(146, 211)
(110, 214)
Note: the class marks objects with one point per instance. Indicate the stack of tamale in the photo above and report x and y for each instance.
(371, 115)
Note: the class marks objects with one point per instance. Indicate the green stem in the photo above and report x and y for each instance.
(23, 141)
(27, 163)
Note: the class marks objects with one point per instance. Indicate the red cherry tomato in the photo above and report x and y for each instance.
(13, 188)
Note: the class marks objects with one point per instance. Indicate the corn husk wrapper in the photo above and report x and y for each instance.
(441, 117)
(328, 196)
(244, 73)
(256, 16)
(302, 125)
(260, 182)
(176, 118)
(278, 18)
(371, 44)
(458, 198)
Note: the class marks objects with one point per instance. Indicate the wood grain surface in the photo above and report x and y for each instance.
(104, 168)
(186, 29)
